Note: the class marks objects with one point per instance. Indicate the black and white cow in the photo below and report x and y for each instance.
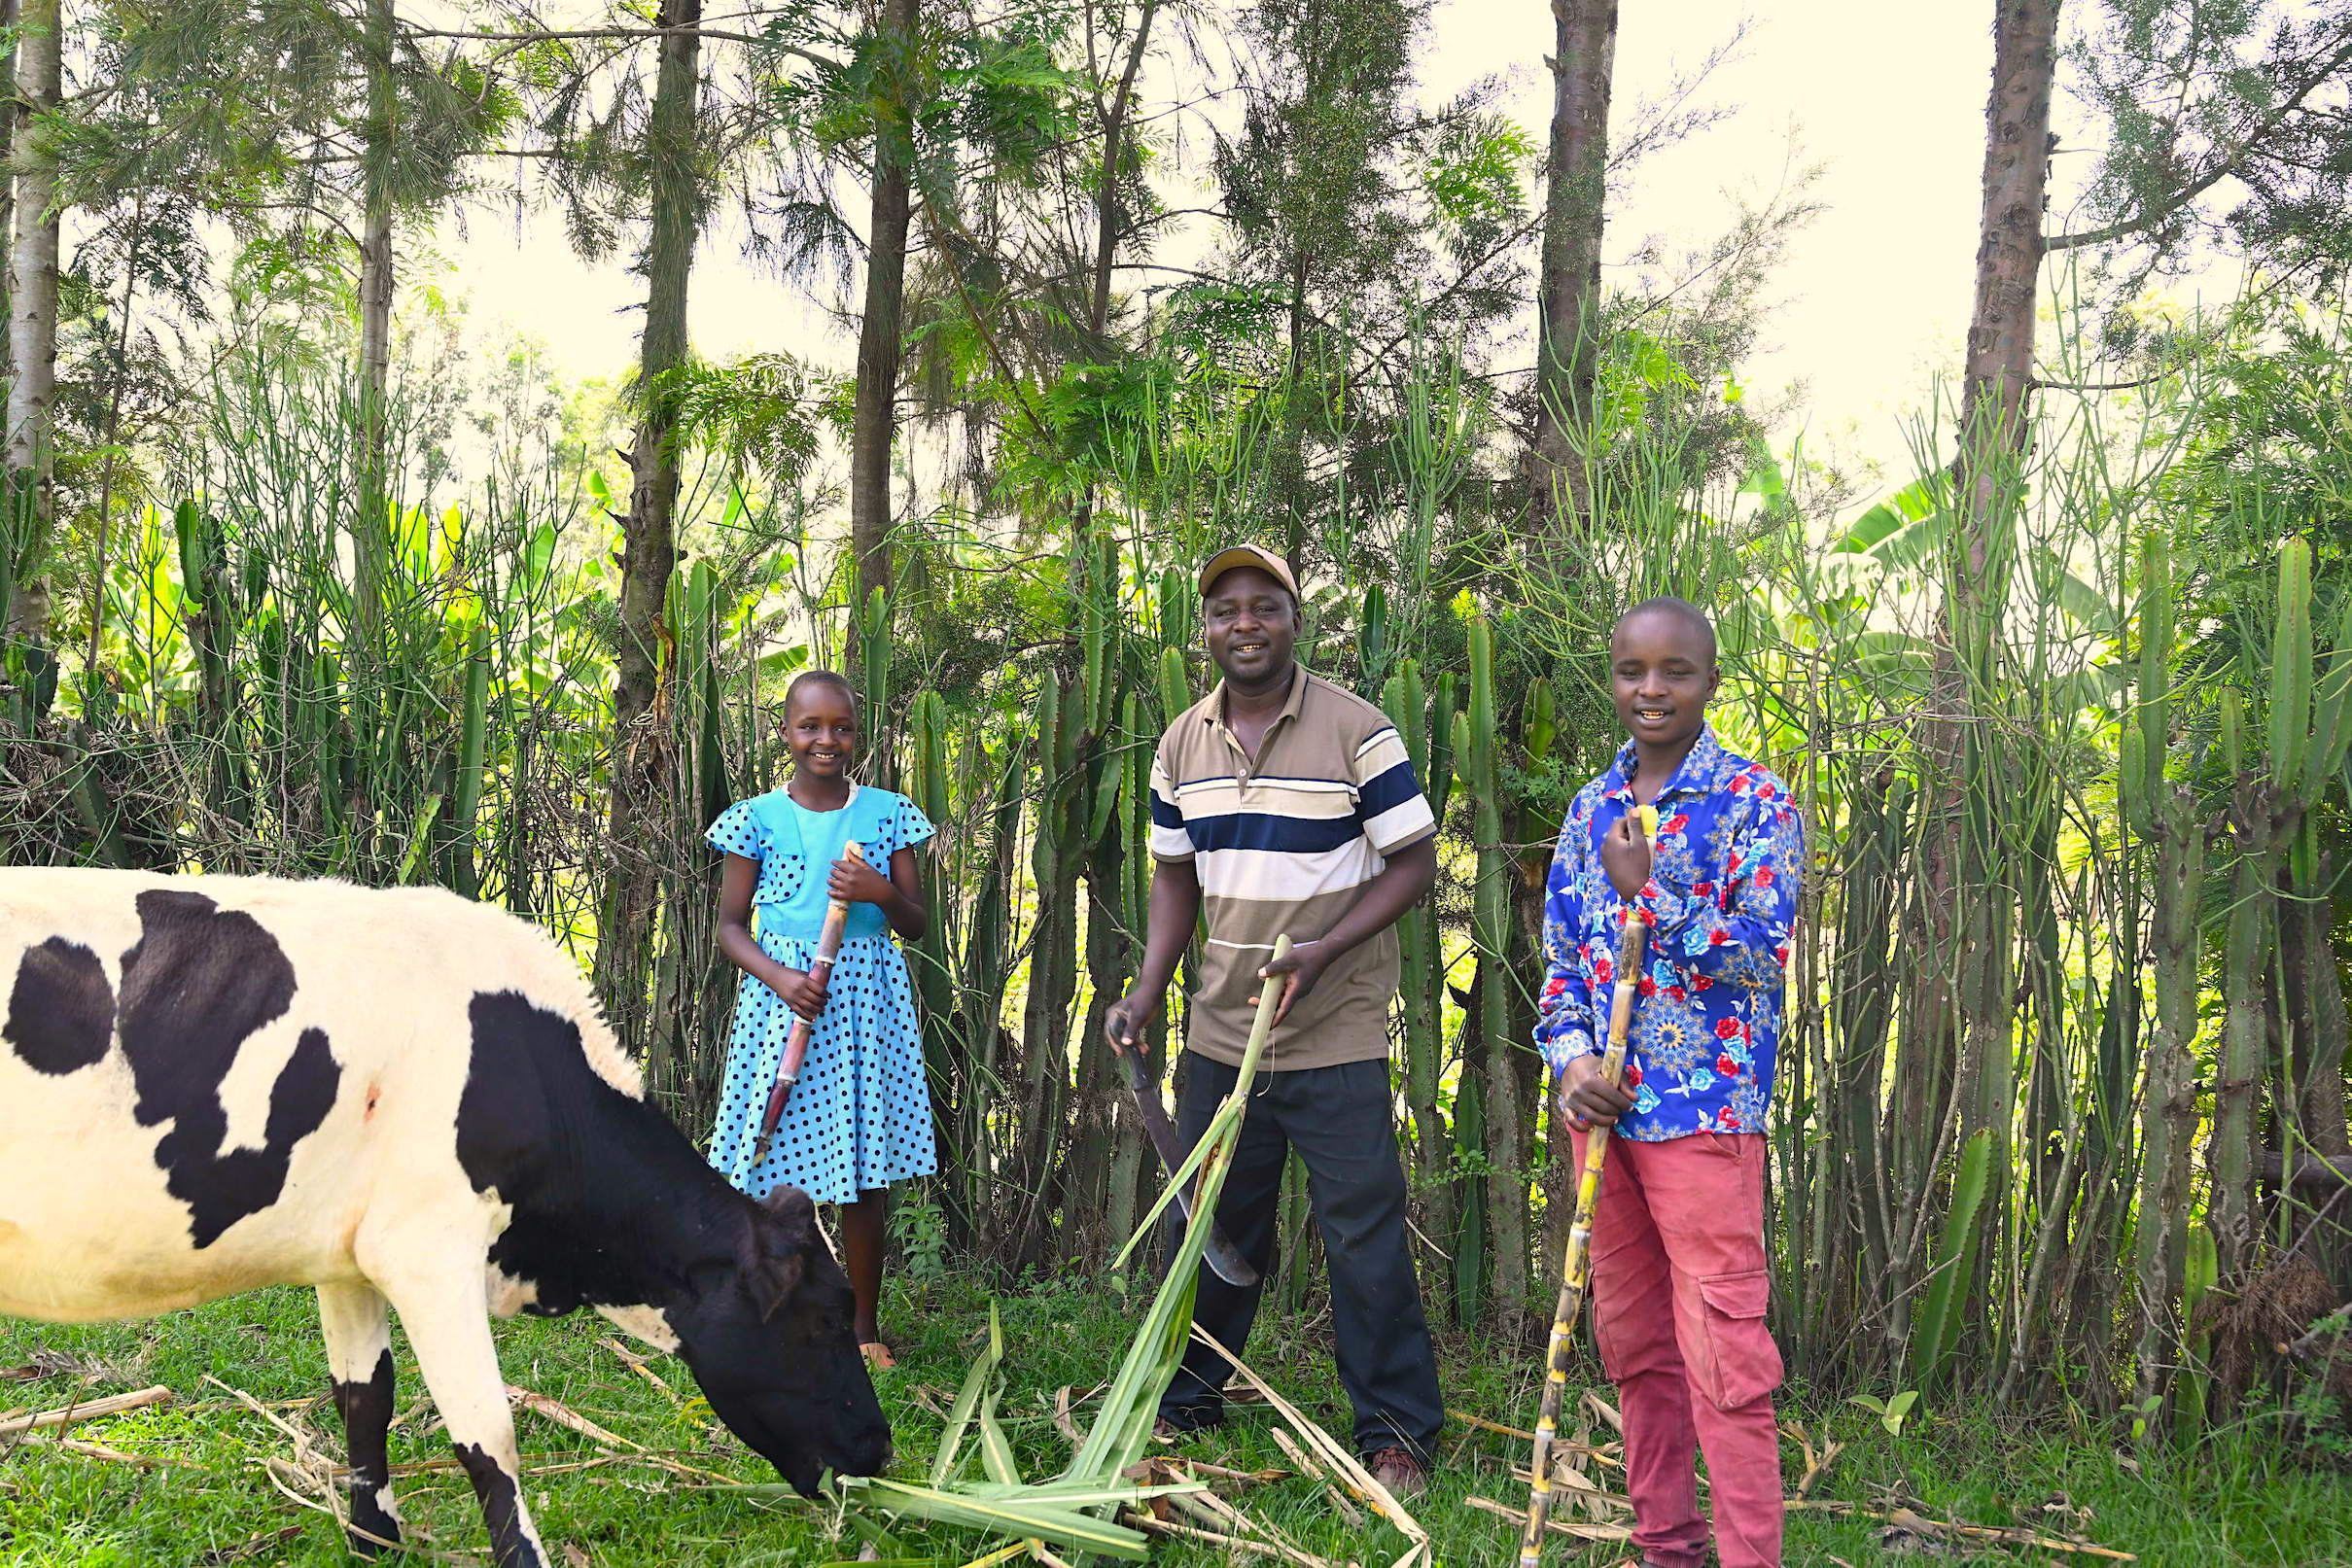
(210, 1084)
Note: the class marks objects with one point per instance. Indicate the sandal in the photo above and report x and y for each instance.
(878, 1356)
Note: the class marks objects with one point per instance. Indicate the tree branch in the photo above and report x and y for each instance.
(2244, 148)
(632, 33)
(2040, 385)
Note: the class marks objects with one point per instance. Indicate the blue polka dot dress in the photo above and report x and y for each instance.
(861, 1116)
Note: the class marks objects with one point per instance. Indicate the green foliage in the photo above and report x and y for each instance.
(1954, 1263)
(2249, 92)
(1892, 1412)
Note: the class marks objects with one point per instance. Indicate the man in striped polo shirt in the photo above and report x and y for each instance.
(1282, 804)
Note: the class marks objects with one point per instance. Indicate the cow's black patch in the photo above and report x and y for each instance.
(501, 1509)
(366, 1411)
(200, 982)
(62, 1011)
(607, 1194)
(612, 1206)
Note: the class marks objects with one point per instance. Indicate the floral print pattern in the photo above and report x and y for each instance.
(1720, 902)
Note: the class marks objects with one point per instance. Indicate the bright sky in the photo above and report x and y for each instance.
(1872, 301)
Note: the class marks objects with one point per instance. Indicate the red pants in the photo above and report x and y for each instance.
(1678, 1295)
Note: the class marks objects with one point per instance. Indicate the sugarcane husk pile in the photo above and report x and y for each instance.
(1102, 1503)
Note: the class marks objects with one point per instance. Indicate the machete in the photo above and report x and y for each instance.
(1221, 1255)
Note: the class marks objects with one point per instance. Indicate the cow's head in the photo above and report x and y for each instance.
(768, 1335)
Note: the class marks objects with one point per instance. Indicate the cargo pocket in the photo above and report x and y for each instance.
(1739, 1362)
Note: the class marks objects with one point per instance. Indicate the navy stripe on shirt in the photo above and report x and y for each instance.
(1258, 830)
(1386, 791)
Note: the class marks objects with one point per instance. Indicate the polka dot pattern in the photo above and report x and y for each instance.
(860, 1117)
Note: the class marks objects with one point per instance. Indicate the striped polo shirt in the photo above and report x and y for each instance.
(1285, 843)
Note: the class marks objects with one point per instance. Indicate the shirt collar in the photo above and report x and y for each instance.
(1215, 712)
(1698, 774)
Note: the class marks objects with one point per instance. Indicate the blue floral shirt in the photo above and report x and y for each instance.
(1720, 903)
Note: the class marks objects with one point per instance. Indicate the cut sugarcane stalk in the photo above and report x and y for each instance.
(1575, 1273)
(796, 1044)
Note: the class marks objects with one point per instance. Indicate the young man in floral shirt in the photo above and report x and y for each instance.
(1679, 1276)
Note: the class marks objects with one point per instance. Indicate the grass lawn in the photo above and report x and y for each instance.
(2231, 1503)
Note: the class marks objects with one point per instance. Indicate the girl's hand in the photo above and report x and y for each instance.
(802, 992)
(857, 883)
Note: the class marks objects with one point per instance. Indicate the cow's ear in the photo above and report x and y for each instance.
(773, 1277)
(781, 1238)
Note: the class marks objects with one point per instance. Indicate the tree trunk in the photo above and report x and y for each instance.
(1107, 180)
(1963, 998)
(1999, 370)
(372, 487)
(32, 334)
(9, 118)
(641, 752)
(874, 422)
(1569, 284)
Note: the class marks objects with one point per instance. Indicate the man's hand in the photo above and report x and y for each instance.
(1298, 970)
(1588, 1098)
(854, 881)
(801, 991)
(1625, 854)
(1124, 1023)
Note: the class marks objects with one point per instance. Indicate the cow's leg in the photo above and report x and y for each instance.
(446, 1313)
(358, 1358)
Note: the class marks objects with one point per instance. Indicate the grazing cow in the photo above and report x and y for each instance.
(210, 1084)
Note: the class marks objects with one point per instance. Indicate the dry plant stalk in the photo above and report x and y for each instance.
(554, 1409)
(1577, 1532)
(1299, 1456)
(93, 1409)
(1231, 1543)
(1336, 1455)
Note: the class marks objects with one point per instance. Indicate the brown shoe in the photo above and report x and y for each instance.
(1398, 1469)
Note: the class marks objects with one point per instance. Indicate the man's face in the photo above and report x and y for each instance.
(1663, 670)
(1252, 624)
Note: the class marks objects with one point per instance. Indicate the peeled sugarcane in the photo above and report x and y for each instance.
(1575, 1273)
(796, 1044)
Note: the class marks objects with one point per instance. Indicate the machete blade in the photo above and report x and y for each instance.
(1221, 1255)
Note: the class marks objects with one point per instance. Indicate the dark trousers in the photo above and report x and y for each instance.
(1340, 1120)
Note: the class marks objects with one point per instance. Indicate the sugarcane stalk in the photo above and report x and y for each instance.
(796, 1044)
(1575, 1271)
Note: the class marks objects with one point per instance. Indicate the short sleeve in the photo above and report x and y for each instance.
(737, 831)
(908, 826)
(1389, 801)
(1170, 840)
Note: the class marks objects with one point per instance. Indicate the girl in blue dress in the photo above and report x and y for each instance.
(860, 1118)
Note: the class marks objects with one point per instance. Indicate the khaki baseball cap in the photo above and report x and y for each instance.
(1265, 560)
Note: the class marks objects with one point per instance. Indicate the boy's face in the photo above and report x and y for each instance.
(1661, 667)
(1253, 627)
(821, 726)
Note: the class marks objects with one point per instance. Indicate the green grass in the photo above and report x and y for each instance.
(2233, 1502)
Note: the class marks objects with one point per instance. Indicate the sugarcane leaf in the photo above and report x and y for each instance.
(1177, 1181)
(1060, 1525)
(1938, 1327)
(967, 1399)
(1122, 1424)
